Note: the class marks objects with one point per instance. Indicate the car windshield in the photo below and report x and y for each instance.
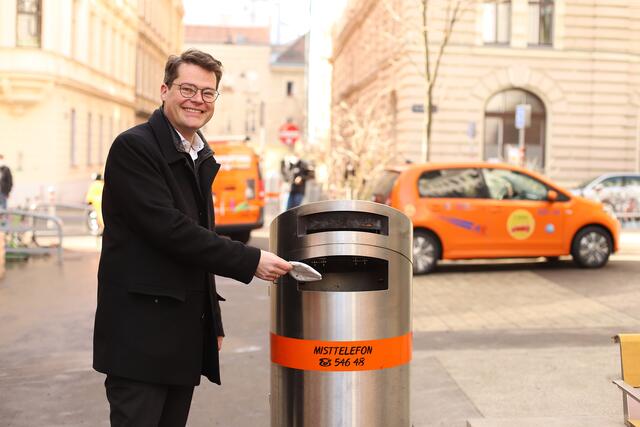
(587, 182)
(378, 189)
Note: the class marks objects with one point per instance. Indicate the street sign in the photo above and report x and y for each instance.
(471, 130)
(289, 134)
(419, 108)
(523, 116)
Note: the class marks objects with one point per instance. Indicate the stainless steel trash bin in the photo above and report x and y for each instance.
(341, 346)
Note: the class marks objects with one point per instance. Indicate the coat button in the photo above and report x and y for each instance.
(155, 300)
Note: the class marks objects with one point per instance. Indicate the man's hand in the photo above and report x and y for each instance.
(271, 267)
(220, 343)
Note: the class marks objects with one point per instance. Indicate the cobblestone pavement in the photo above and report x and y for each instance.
(496, 344)
(522, 343)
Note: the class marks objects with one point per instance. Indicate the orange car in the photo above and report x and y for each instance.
(489, 210)
(238, 190)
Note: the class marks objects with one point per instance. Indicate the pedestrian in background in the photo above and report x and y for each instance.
(6, 183)
(297, 173)
(158, 325)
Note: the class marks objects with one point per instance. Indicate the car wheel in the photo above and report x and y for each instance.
(92, 221)
(426, 252)
(591, 247)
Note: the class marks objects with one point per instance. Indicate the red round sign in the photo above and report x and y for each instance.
(289, 134)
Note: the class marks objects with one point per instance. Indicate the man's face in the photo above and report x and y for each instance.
(188, 114)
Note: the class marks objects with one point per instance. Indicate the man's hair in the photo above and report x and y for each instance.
(195, 57)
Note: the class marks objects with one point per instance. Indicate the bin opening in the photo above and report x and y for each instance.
(346, 273)
(343, 221)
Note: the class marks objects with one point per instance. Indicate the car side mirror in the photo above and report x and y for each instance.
(598, 188)
(552, 195)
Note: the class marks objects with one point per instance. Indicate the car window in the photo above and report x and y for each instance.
(632, 181)
(587, 182)
(504, 184)
(456, 182)
(614, 181)
(379, 189)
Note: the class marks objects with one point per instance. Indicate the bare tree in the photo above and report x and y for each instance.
(455, 8)
(361, 147)
(431, 66)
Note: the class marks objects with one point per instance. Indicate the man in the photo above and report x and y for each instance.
(158, 325)
(6, 183)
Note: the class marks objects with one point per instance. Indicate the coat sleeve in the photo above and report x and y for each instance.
(138, 190)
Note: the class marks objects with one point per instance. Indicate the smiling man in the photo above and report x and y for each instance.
(158, 326)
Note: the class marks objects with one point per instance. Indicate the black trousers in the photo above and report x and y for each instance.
(138, 404)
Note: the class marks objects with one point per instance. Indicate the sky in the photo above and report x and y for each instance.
(293, 15)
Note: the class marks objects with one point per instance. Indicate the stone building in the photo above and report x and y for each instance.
(576, 63)
(73, 74)
(262, 87)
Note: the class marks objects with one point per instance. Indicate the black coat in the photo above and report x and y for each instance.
(158, 313)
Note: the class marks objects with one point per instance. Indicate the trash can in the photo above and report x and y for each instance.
(341, 346)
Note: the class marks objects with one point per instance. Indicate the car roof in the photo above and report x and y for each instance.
(614, 174)
(455, 165)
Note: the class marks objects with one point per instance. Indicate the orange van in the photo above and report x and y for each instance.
(238, 190)
(490, 210)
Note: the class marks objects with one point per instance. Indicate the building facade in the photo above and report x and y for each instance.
(71, 80)
(262, 87)
(576, 64)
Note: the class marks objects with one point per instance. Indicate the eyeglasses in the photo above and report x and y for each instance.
(189, 91)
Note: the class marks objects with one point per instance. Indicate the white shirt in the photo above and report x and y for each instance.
(192, 149)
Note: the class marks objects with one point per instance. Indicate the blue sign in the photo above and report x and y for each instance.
(523, 116)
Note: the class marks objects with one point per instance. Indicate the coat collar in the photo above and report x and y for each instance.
(167, 137)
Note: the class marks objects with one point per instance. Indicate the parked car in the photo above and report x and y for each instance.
(618, 192)
(489, 210)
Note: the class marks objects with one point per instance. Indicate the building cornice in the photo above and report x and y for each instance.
(28, 76)
(354, 17)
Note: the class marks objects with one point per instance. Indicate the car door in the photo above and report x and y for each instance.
(454, 199)
(524, 222)
(632, 197)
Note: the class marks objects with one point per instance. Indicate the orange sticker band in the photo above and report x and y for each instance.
(314, 355)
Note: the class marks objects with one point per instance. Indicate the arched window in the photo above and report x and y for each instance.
(501, 135)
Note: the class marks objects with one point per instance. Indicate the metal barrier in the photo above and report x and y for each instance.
(22, 228)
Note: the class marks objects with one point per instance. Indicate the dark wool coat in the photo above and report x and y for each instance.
(158, 314)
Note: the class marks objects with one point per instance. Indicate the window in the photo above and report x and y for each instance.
(89, 142)
(615, 181)
(72, 153)
(28, 23)
(505, 184)
(289, 88)
(541, 22)
(458, 183)
(100, 140)
(632, 181)
(496, 23)
(501, 136)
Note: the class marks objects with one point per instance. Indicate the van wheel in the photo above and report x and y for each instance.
(241, 236)
(591, 247)
(426, 252)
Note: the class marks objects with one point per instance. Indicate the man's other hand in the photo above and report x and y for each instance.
(271, 267)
